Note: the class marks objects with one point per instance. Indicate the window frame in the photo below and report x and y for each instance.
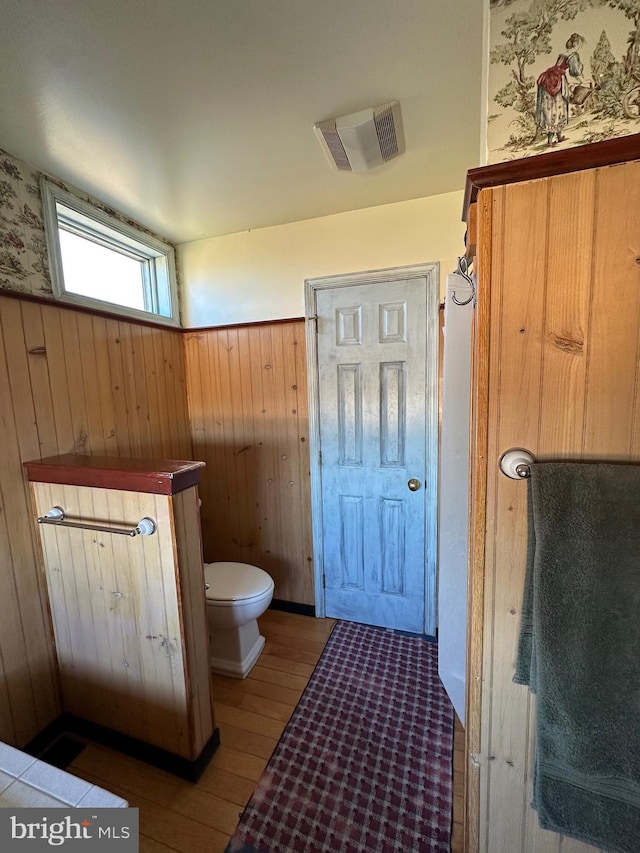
(158, 260)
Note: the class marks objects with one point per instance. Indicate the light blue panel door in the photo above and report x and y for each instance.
(373, 402)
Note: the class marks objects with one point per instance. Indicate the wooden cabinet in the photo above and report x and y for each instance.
(129, 611)
(556, 371)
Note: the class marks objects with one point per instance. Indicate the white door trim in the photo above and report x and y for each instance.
(430, 272)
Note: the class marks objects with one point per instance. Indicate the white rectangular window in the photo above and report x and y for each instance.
(101, 262)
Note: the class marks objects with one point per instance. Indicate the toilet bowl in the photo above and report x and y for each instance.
(237, 594)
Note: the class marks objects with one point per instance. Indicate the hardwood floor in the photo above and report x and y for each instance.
(251, 714)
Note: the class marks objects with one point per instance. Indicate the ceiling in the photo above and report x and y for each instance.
(196, 117)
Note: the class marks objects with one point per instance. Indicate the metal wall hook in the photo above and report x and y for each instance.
(455, 300)
(463, 270)
(516, 463)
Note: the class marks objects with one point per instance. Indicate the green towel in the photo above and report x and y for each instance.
(579, 649)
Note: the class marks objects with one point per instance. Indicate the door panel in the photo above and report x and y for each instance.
(374, 418)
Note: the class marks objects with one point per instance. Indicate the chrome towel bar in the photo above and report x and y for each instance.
(56, 516)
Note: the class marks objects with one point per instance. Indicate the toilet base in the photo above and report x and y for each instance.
(234, 651)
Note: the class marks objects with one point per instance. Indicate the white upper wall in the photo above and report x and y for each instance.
(259, 275)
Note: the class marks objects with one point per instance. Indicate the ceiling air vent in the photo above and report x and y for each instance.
(362, 140)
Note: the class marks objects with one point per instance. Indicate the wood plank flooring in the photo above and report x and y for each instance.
(180, 817)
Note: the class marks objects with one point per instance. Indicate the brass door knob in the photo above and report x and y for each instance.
(413, 484)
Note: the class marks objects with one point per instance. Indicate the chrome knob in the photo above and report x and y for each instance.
(414, 484)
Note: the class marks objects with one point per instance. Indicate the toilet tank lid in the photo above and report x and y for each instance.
(235, 581)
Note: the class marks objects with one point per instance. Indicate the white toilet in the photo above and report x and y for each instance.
(237, 594)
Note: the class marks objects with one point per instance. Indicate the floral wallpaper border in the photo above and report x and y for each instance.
(24, 264)
(562, 73)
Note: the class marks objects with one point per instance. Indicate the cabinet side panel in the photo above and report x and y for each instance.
(477, 511)
(115, 610)
(517, 300)
(563, 382)
(193, 607)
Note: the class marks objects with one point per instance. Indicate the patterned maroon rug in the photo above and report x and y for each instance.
(365, 762)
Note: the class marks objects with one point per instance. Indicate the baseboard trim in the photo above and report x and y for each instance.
(292, 607)
(191, 770)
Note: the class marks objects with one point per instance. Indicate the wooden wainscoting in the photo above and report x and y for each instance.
(70, 382)
(247, 394)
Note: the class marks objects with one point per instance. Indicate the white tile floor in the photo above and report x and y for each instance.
(26, 781)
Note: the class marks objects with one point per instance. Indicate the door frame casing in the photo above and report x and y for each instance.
(431, 273)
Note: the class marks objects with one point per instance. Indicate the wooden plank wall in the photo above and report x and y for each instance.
(69, 383)
(563, 380)
(247, 394)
